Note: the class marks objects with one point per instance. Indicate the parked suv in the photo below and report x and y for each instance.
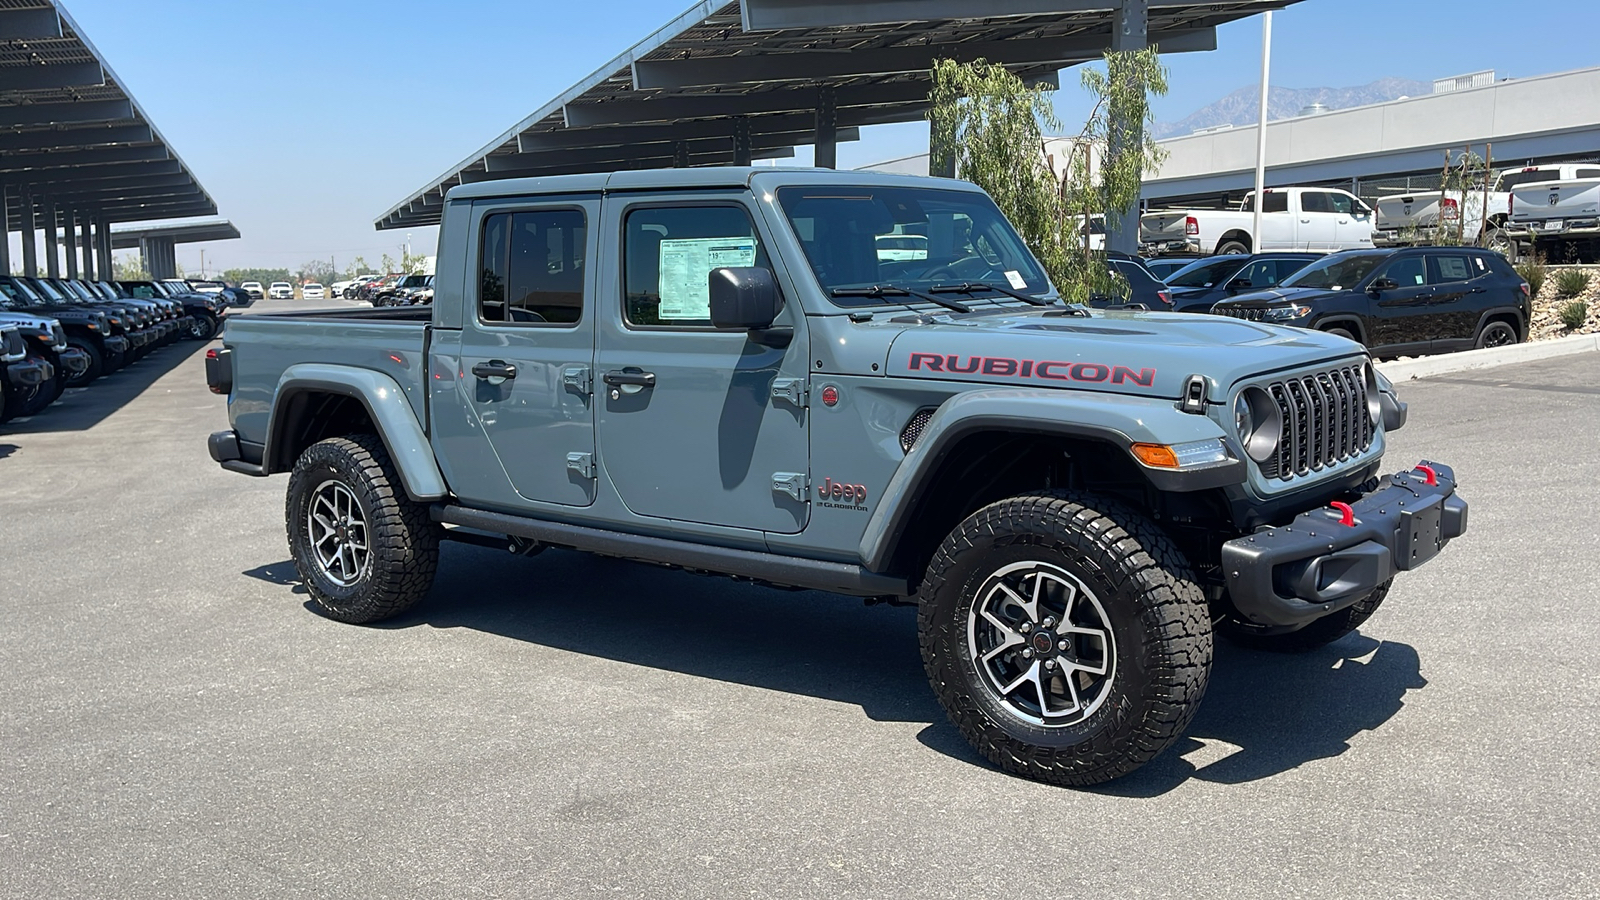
(88, 328)
(714, 369)
(1202, 283)
(1400, 303)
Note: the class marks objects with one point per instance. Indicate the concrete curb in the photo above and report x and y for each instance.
(1444, 364)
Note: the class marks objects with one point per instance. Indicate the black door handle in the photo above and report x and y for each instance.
(617, 378)
(495, 368)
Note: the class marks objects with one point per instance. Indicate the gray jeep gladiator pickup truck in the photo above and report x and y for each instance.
(722, 370)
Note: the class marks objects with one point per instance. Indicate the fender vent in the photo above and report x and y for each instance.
(913, 429)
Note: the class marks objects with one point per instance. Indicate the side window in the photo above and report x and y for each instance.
(1407, 272)
(1261, 274)
(1587, 173)
(1275, 202)
(532, 269)
(1283, 268)
(1314, 202)
(669, 253)
(1341, 203)
(1451, 268)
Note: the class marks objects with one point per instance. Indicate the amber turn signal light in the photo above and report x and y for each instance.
(1156, 456)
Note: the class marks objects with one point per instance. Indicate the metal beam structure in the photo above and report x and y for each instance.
(76, 151)
(754, 74)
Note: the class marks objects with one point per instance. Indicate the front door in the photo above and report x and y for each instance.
(522, 411)
(697, 424)
(1402, 316)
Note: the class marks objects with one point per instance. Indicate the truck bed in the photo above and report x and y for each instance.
(264, 346)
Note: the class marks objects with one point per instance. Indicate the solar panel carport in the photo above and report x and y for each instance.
(77, 153)
(729, 82)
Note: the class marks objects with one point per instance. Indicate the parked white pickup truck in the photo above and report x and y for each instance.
(1560, 219)
(1414, 218)
(1292, 218)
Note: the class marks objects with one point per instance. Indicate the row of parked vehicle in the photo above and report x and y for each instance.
(1397, 301)
(394, 289)
(57, 333)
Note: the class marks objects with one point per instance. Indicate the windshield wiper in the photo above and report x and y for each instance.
(878, 292)
(972, 287)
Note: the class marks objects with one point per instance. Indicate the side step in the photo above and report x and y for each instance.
(788, 571)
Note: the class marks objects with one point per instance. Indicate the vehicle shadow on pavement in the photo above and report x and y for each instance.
(803, 642)
(81, 410)
(1268, 713)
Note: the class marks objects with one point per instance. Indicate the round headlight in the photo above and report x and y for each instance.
(1258, 423)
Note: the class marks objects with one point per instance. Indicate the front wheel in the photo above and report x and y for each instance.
(1064, 636)
(97, 362)
(202, 326)
(365, 551)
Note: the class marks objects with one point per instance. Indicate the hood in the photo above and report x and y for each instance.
(27, 321)
(1279, 297)
(1144, 353)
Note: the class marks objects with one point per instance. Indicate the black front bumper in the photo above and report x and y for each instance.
(30, 372)
(73, 360)
(116, 344)
(1327, 560)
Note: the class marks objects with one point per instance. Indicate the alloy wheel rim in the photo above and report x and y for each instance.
(1499, 336)
(1042, 643)
(338, 533)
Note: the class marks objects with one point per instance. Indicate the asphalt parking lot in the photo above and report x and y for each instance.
(177, 723)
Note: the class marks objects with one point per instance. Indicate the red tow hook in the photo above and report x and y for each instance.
(1347, 514)
(1433, 477)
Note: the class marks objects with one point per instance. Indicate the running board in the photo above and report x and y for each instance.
(787, 571)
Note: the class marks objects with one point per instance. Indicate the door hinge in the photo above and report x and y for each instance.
(794, 484)
(582, 463)
(578, 378)
(791, 391)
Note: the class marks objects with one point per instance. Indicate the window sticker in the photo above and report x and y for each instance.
(685, 265)
(1016, 279)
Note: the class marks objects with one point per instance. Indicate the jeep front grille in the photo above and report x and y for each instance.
(913, 429)
(1241, 312)
(1325, 421)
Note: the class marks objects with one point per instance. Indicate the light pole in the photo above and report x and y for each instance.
(1261, 131)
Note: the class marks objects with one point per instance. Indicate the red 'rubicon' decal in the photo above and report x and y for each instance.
(1026, 368)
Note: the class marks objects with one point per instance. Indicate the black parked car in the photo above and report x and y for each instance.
(1162, 268)
(1400, 302)
(1147, 290)
(1203, 282)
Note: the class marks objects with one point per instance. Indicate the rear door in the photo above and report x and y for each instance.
(1278, 225)
(1317, 225)
(1403, 320)
(518, 426)
(1461, 293)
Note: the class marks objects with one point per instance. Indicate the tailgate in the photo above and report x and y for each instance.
(1556, 200)
(1163, 226)
(1406, 210)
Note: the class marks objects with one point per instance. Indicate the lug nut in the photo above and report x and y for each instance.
(1049, 622)
(1063, 645)
(1049, 664)
(1027, 654)
(1025, 627)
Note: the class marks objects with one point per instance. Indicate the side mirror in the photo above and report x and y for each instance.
(1239, 284)
(744, 298)
(1382, 284)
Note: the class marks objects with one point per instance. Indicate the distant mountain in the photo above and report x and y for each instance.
(1240, 107)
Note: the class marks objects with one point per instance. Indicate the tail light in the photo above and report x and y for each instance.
(1511, 204)
(1527, 292)
(1166, 297)
(1449, 209)
(1191, 226)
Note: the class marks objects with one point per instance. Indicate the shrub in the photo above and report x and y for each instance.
(1571, 283)
(1574, 314)
(1532, 271)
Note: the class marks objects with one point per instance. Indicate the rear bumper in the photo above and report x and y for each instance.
(226, 451)
(1185, 247)
(31, 371)
(1318, 565)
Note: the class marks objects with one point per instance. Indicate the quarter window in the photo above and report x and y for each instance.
(533, 267)
(1451, 268)
(669, 253)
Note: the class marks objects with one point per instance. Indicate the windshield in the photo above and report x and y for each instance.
(916, 238)
(18, 293)
(48, 291)
(1334, 272)
(1206, 273)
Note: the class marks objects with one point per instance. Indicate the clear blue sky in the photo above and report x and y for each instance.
(306, 119)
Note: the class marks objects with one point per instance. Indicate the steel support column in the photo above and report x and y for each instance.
(102, 230)
(5, 229)
(30, 248)
(827, 139)
(160, 257)
(86, 246)
(741, 141)
(69, 239)
(1131, 32)
(52, 246)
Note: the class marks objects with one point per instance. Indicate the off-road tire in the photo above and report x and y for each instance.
(1231, 248)
(37, 399)
(1156, 614)
(97, 361)
(203, 327)
(403, 541)
(1498, 333)
(1320, 633)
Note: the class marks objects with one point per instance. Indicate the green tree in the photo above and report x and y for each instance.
(265, 276)
(990, 125)
(318, 270)
(129, 268)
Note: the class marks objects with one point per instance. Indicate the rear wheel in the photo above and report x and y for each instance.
(202, 326)
(1498, 333)
(1232, 247)
(365, 551)
(1064, 636)
(1320, 633)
